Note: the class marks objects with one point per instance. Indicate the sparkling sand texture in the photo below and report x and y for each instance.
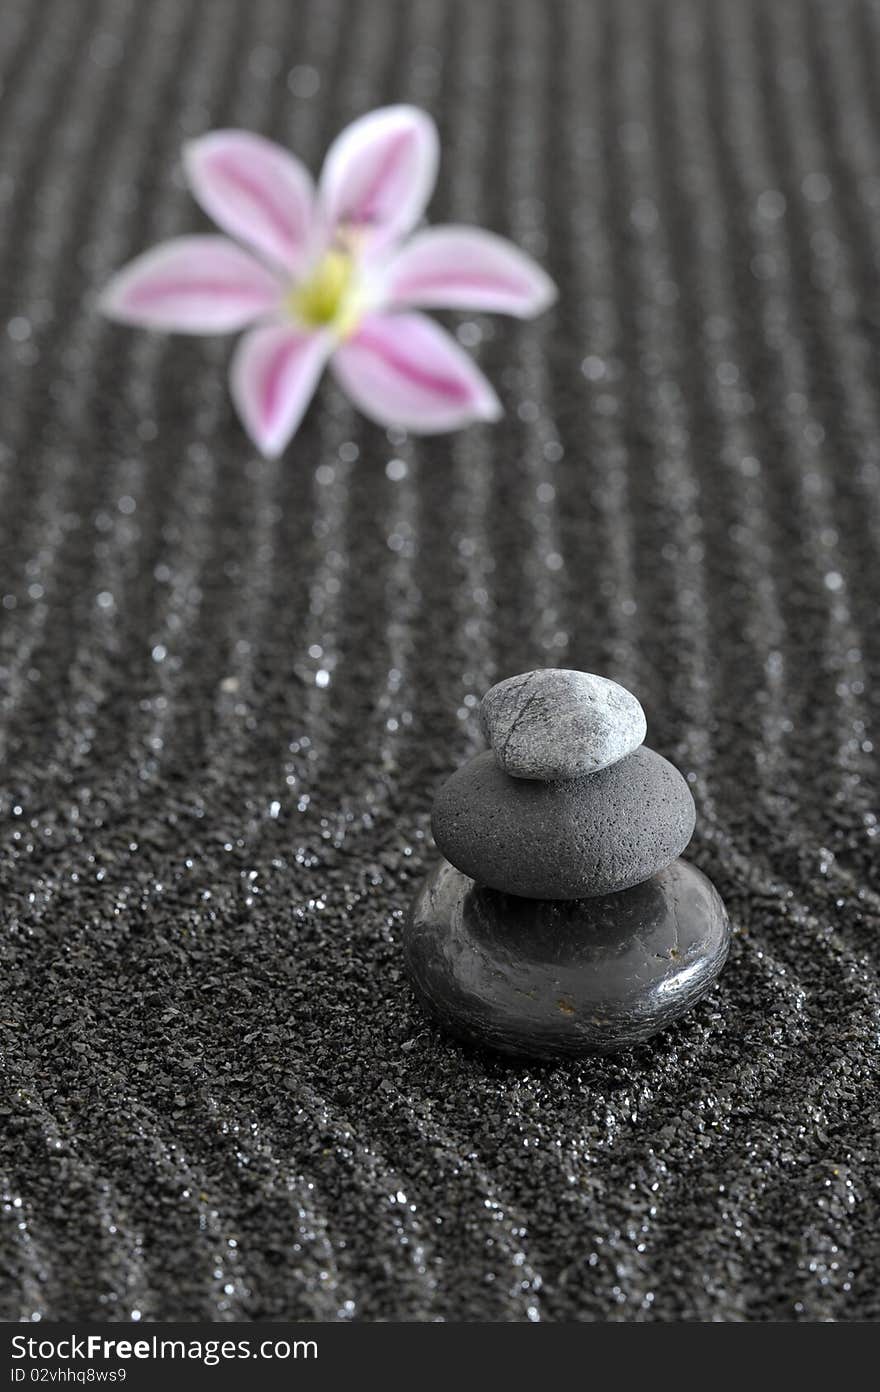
(230, 689)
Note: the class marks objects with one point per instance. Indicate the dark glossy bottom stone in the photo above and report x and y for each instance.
(554, 979)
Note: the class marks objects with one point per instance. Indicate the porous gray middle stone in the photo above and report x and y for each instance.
(565, 840)
(554, 723)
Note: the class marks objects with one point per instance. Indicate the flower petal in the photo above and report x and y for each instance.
(380, 172)
(403, 369)
(255, 190)
(192, 285)
(273, 376)
(467, 268)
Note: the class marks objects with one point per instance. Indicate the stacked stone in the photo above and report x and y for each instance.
(562, 920)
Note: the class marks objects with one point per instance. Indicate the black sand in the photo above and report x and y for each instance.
(218, 1096)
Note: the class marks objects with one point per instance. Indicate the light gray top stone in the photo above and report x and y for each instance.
(553, 724)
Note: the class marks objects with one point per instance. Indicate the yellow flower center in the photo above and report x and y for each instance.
(329, 298)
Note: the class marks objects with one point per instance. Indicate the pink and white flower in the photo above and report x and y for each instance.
(322, 275)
